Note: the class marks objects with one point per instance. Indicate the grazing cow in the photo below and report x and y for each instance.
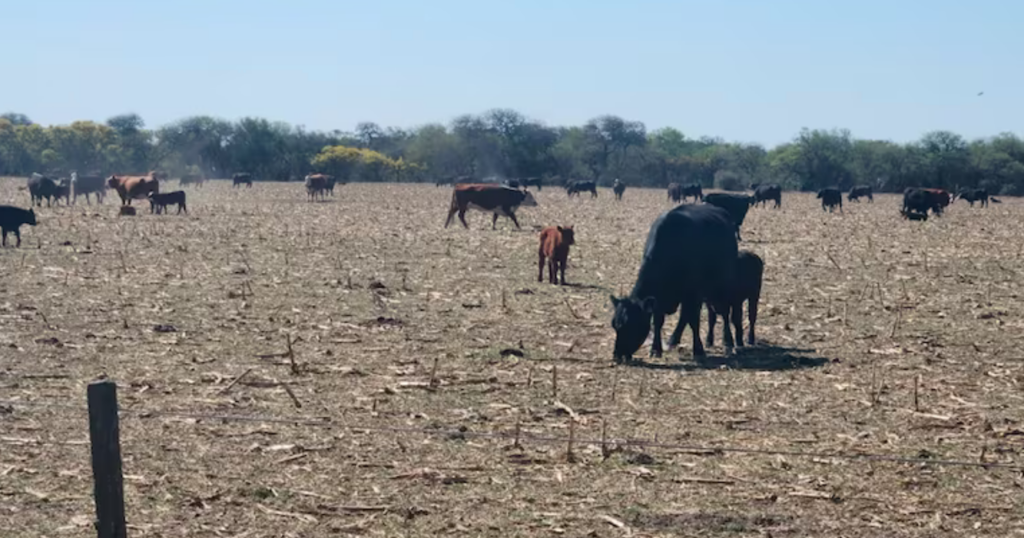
(86, 185)
(690, 255)
(316, 185)
(133, 187)
(618, 188)
(735, 204)
(830, 198)
(860, 191)
(191, 179)
(554, 245)
(763, 193)
(577, 187)
(693, 190)
(918, 200)
(158, 202)
(497, 199)
(974, 195)
(513, 183)
(746, 288)
(675, 192)
(533, 182)
(11, 219)
(442, 181)
(160, 175)
(39, 187)
(241, 178)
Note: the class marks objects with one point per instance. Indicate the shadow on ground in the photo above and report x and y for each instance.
(764, 356)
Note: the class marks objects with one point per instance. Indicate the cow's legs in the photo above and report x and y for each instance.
(540, 267)
(677, 334)
(462, 217)
(494, 222)
(659, 322)
(553, 270)
(712, 319)
(561, 270)
(17, 233)
(737, 322)
(751, 318)
(5, 237)
(451, 213)
(512, 216)
(690, 309)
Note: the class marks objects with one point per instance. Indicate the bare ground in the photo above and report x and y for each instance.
(400, 327)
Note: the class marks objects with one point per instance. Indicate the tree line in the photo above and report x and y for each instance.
(502, 143)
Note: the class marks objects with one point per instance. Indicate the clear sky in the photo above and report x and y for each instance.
(745, 70)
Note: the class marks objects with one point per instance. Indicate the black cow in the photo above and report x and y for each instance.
(860, 191)
(746, 287)
(577, 187)
(974, 195)
(63, 190)
(675, 192)
(830, 198)
(690, 255)
(11, 219)
(513, 183)
(693, 190)
(39, 187)
(913, 214)
(158, 202)
(86, 185)
(618, 188)
(736, 205)
(497, 199)
(533, 182)
(763, 193)
(920, 200)
(192, 179)
(241, 178)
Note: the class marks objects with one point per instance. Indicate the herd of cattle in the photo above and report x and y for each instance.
(691, 259)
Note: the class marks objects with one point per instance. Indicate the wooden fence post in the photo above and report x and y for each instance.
(104, 436)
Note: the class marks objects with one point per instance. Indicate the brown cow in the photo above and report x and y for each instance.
(133, 187)
(554, 245)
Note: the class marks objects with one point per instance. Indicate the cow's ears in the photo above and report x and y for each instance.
(650, 305)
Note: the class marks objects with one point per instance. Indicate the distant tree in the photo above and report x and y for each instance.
(16, 118)
(338, 161)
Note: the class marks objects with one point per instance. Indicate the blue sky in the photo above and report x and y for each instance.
(745, 70)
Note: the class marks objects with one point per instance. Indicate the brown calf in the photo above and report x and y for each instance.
(554, 245)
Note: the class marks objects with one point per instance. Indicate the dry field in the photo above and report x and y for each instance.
(406, 342)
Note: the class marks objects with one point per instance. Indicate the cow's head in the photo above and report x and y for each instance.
(632, 324)
(31, 217)
(113, 182)
(568, 236)
(528, 199)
